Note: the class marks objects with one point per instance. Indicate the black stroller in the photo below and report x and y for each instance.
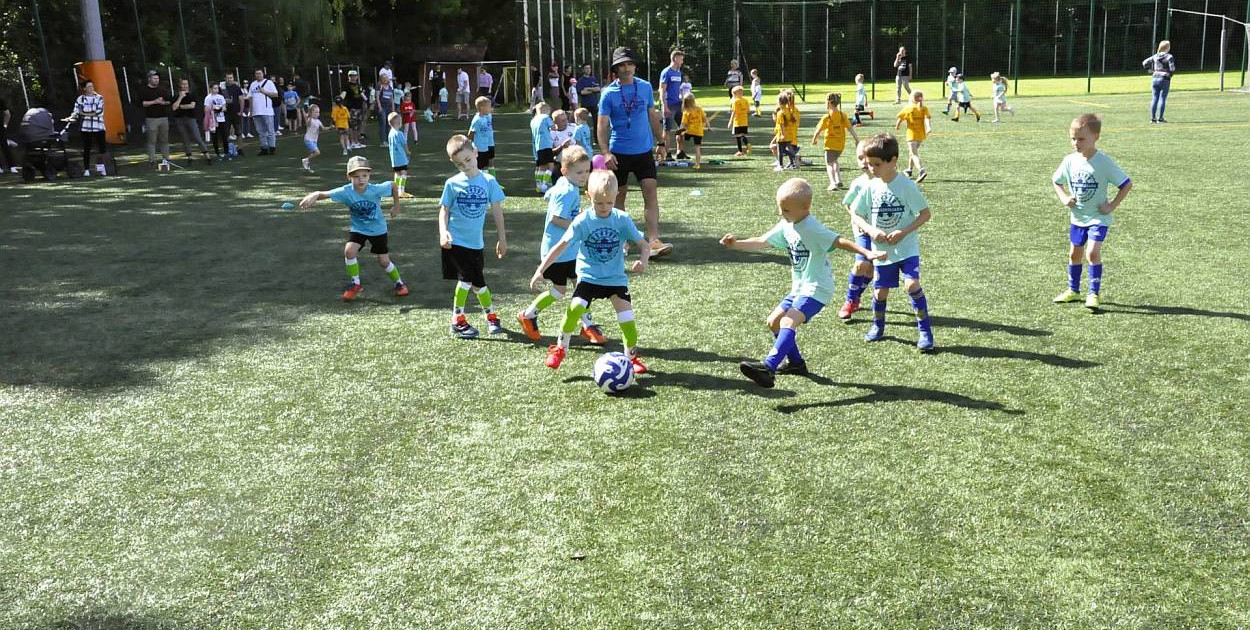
(44, 146)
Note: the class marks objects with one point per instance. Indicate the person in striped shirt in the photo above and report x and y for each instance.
(89, 112)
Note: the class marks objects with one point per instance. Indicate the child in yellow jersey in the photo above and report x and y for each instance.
(740, 109)
(786, 128)
(340, 116)
(834, 125)
(693, 122)
(919, 126)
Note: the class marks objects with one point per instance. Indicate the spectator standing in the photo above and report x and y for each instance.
(354, 99)
(484, 82)
(155, 102)
(462, 94)
(386, 72)
(588, 88)
(902, 78)
(670, 102)
(232, 92)
(437, 81)
(261, 93)
(384, 104)
(185, 120)
(1162, 66)
(89, 111)
(215, 119)
(555, 95)
(5, 115)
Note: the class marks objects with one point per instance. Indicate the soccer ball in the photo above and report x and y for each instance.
(613, 372)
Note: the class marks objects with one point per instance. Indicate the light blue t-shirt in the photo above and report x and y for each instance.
(861, 95)
(467, 200)
(581, 136)
(291, 98)
(366, 207)
(540, 133)
(483, 128)
(962, 92)
(601, 253)
(670, 82)
(852, 193)
(809, 243)
(889, 207)
(628, 107)
(1000, 91)
(1089, 181)
(396, 140)
(563, 202)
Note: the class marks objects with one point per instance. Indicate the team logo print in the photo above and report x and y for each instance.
(472, 201)
(1084, 185)
(799, 255)
(362, 209)
(604, 244)
(887, 210)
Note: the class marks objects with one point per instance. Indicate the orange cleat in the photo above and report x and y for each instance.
(639, 368)
(555, 356)
(529, 325)
(594, 334)
(848, 308)
(401, 289)
(351, 291)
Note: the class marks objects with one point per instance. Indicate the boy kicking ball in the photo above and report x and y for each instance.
(811, 277)
(601, 236)
(368, 225)
(1088, 174)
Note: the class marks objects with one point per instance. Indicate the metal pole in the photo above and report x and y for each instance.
(1223, 43)
(169, 72)
(943, 44)
(551, 28)
(872, 46)
(916, 51)
(212, 12)
(317, 73)
(709, 47)
(186, 53)
(1167, 23)
(1089, 51)
(21, 78)
(1246, 48)
(826, 42)
(1055, 70)
(49, 83)
(648, 74)
(92, 31)
(1202, 59)
(1011, 36)
(205, 80)
(804, 52)
(1104, 40)
(77, 83)
(143, 58)
(539, 5)
(783, 46)
(963, 40)
(1154, 25)
(126, 80)
(1015, 90)
(563, 51)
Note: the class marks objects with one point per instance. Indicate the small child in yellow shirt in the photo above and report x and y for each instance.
(919, 126)
(340, 116)
(740, 110)
(834, 124)
(693, 122)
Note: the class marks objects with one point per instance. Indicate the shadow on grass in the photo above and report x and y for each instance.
(981, 352)
(108, 621)
(689, 381)
(865, 315)
(1149, 309)
(895, 393)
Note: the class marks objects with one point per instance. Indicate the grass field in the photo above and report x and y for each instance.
(194, 433)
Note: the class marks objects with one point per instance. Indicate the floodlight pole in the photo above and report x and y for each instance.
(1167, 24)
(1089, 52)
(1016, 86)
(944, 60)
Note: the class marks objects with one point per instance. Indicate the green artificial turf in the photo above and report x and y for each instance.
(195, 433)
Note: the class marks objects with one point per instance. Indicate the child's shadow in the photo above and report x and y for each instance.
(1150, 309)
(896, 393)
(691, 382)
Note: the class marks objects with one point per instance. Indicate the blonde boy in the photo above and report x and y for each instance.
(397, 145)
(482, 133)
(461, 217)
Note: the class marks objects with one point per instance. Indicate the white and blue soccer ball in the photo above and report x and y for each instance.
(613, 372)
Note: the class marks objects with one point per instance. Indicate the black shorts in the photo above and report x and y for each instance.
(545, 156)
(464, 264)
(377, 244)
(740, 131)
(292, 114)
(590, 292)
(642, 165)
(693, 138)
(484, 158)
(965, 106)
(399, 169)
(561, 273)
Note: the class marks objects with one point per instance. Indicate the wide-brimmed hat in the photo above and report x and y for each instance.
(621, 54)
(358, 163)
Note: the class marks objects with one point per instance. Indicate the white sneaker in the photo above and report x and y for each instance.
(232, 138)
(344, 151)
(13, 170)
(99, 168)
(778, 168)
(86, 173)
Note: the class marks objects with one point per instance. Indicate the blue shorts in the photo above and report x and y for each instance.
(808, 306)
(887, 275)
(865, 241)
(310, 145)
(1079, 235)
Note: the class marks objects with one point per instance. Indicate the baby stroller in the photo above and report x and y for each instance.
(43, 146)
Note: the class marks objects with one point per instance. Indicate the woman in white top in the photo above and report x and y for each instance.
(89, 111)
(214, 115)
(1162, 65)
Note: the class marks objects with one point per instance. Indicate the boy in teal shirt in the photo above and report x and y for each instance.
(860, 276)
(461, 217)
(811, 277)
(482, 133)
(397, 145)
(601, 236)
(368, 225)
(889, 210)
(540, 142)
(1088, 173)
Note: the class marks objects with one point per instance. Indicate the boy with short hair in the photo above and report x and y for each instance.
(540, 142)
(581, 133)
(442, 101)
(963, 98)
(563, 205)
(561, 139)
(601, 235)
(890, 209)
(861, 270)
(1088, 172)
(861, 102)
(482, 133)
(341, 117)
(835, 125)
(461, 217)
(950, 90)
(811, 277)
(757, 90)
(741, 110)
(290, 98)
(368, 225)
(397, 144)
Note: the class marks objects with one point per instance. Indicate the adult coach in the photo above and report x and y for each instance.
(628, 125)
(902, 77)
(588, 90)
(155, 103)
(1162, 66)
(670, 104)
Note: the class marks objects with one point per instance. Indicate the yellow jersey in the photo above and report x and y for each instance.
(340, 116)
(694, 120)
(915, 115)
(787, 125)
(741, 110)
(834, 125)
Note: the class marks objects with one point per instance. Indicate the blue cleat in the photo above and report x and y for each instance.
(924, 342)
(875, 333)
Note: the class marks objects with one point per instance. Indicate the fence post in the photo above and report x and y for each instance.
(1167, 24)
(1246, 47)
(963, 39)
(126, 82)
(1089, 51)
(186, 52)
(212, 12)
(709, 46)
(944, 60)
(50, 84)
(872, 45)
(21, 78)
(143, 57)
(1016, 87)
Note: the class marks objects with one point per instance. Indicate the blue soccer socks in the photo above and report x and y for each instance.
(1095, 278)
(782, 348)
(920, 304)
(855, 286)
(1074, 277)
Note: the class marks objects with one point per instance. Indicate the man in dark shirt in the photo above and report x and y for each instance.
(588, 90)
(233, 93)
(184, 108)
(354, 100)
(155, 100)
(4, 137)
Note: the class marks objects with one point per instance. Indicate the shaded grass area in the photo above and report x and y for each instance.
(194, 433)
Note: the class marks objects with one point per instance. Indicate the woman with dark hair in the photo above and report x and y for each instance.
(1162, 65)
(89, 112)
(902, 78)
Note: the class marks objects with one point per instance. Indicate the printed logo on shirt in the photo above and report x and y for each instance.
(887, 210)
(604, 244)
(799, 254)
(1084, 185)
(362, 209)
(472, 201)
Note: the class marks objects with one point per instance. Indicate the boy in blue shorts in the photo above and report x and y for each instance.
(563, 205)
(368, 225)
(397, 144)
(544, 152)
(482, 133)
(1088, 173)
(601, 236)
(861, 270)
(889, 210)
(461, 216)
(811, 277)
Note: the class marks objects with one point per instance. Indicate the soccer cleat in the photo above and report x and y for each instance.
(555, 356)
(924, 342)
(848, 308)
(1162, 121)
(462, 329)
(351, 291)
(529, 326)
(594, 334)
(492, 324)
(739, 154)
(304, 162)
(1092, 302)
(778, 168)
(660, 248)
(876, 332)
(907, 172)
(401, 289)
(1068, 295)
(698, 167)
(978, 118)
(758, 372)
(921, 176)
(639, 367)
(681, 155)
(796, 369)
